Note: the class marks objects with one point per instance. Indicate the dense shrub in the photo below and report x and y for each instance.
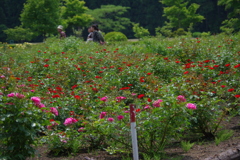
(196, 34)
(21, 120)
(205, 34)
(115, 36)
(139, 31)
(179, 32)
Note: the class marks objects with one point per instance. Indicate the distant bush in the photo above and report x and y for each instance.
(179, 32)
(196, 34)
(165, 31)
(19, 34)
(115, 36)
(199, 34)
(139, 31)
(205, 34)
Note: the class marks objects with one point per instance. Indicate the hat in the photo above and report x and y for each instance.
(60, 27)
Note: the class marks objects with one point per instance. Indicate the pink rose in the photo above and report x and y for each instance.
(40, 105)
(11, 95)
(69, 121)
(181, 98)
(147, 107)
(120, 117)
(81, 129)
(36, 99)
(157, 103)
(191, 106)
(102, 115)
(54, 111)
(64, 141)
(20, 96)
(110, 119)
(104, 99)
(121, 98)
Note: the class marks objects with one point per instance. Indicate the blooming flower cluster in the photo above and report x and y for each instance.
(37, 102)
(181, 98)
(70, 121)
(18, 95)
(191, 106)
(157, 103)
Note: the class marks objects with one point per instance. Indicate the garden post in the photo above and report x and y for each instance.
(133, 132)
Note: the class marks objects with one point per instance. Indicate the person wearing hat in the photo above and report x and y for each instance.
(61, 32)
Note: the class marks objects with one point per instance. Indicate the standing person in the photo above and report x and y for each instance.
(97, 36)
(90, 35)
(61, 32)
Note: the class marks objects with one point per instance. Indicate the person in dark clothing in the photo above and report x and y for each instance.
(97, 36)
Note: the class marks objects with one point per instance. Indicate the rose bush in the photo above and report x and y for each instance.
(75, 90)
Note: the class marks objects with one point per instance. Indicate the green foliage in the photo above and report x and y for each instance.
(231, 4)
(199, 34)
(139, 31)
(115, 36)
(20, 123)
(230, 26)
(64, 142)
(186, 145)
(180, 14)
(205, 34)
(111, 18)
(196, 34)
(233, 23)
(74, 14)
(152, 134)
(179, 32)
(19, 34)
(41, 16)
(223, 136)
(166, 30)
(165, 73)
(154, 156)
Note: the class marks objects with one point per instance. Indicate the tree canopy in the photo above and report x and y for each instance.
(41, 16)
(180, 14)
(111, 18)
(73, 13)
(233, 23)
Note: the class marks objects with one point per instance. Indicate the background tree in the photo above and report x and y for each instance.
(149, 14)
(139, 31)
(213, 13)
(233, 23)
(74, 16)
(180, 14)
(41, 16)
(111, 18)
(9, 15)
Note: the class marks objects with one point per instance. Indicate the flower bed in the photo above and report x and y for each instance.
(73, 95)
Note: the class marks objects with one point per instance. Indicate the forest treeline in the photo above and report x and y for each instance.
(116, 15)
